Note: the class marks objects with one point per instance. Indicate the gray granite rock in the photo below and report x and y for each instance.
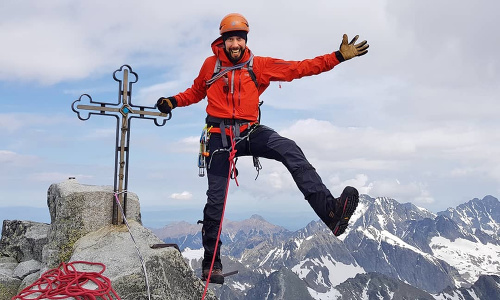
(26, 268)
(81, 230)
(77, 209)
(23, 240)
(169, 276)
(8, 286)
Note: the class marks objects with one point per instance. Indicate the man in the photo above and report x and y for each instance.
(232, 80)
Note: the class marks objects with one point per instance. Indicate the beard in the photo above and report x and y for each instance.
(234, 55)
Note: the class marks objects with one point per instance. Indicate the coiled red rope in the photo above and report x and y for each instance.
(65, 282)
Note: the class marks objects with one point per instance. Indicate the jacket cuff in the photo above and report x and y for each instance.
(339, 56)
(173, 101)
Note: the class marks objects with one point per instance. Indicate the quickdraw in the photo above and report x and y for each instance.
(204, 151)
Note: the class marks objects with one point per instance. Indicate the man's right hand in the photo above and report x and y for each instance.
(165, 105)
(350, 50)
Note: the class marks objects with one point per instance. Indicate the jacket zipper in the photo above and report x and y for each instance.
(239, 93)
(232, 93)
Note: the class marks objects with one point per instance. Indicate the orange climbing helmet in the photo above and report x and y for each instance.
(233, 22)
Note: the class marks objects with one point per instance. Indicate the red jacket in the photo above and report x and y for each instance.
(241, 101)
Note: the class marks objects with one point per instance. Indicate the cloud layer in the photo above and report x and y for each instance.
(415, 119)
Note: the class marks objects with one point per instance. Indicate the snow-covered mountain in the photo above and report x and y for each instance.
(390, 249)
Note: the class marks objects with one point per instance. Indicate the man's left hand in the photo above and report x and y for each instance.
(350, 50)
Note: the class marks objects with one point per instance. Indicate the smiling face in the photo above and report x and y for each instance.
(234, 46)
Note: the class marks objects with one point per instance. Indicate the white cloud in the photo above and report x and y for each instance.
(99, 134)
(149, 95)
(420, 108)
(182, 196)
(278, 179)
(377, 149)
(410, 192)
(414, 192)
(14, 122)
(10, 123)
(74, 39)
(189, 144)
(359, 181)
(13, 159)
(450, 40)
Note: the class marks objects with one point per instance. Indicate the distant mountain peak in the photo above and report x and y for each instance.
(477, 214)
(257, 217)
(177, 229)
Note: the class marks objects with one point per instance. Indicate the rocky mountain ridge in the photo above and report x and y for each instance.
(388, 242)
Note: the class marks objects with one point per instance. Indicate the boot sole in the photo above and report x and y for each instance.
(217, 279)
(350, 204)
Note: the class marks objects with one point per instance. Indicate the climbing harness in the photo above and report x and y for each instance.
(236, 139)
(66, 282)
(133, 240)
(223, 125)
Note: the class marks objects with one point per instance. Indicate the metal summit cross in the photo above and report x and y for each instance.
(125, 111)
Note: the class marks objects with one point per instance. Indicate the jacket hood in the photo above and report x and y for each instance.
(218, 50)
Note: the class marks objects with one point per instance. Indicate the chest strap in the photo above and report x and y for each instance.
(220, 71)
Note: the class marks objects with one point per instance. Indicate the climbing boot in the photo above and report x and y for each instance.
(216, 276)
(345, 206)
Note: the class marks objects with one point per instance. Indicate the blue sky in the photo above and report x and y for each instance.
(416, 119)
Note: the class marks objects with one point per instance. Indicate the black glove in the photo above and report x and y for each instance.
(165, 105)
(350, 50)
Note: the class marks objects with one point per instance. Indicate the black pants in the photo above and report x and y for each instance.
(262, 142)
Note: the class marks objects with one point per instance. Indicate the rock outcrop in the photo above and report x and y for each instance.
(81, 230)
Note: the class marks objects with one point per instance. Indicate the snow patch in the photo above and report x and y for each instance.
(337, 273)
(358, 213)
(191, 254)
(299, 242)
(469, 258)
(382, 221)
(241, 286)
(379, 236)
(332, 294)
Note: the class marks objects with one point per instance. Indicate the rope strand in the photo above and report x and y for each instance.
(135, 244)
(232, 154)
